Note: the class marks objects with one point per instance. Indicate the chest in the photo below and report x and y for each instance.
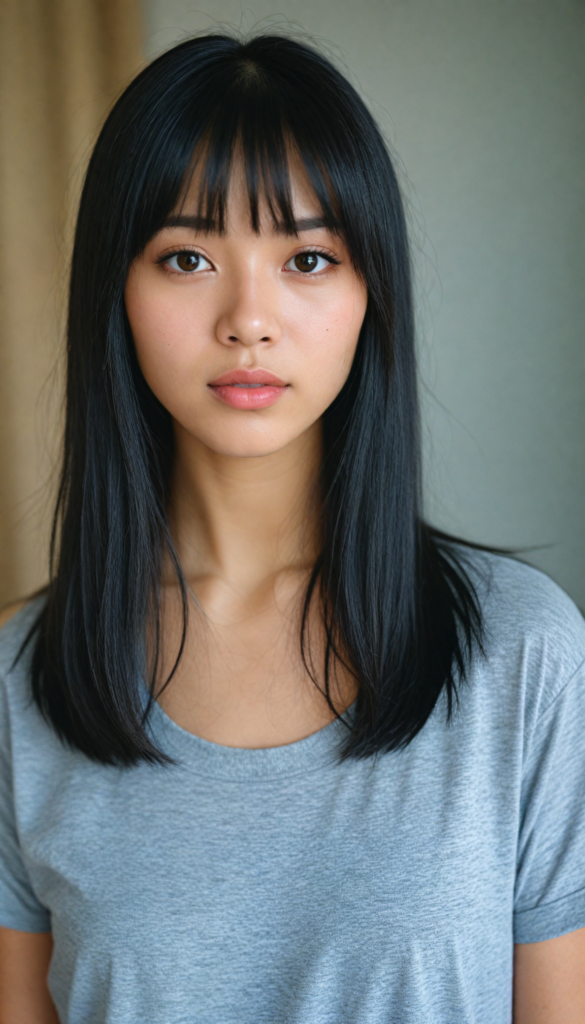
(225, 857)
(364, 891)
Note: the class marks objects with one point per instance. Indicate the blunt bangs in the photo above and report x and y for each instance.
(255, 107)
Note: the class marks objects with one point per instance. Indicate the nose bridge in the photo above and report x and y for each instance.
(251, 311)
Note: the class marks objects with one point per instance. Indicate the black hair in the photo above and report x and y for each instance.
(398, 602)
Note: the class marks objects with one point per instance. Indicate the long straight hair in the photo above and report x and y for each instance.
(397, 601)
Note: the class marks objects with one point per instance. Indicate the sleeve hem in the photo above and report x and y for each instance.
(551, 920)
(37, 923)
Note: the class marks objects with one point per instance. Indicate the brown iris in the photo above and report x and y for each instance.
(188, 260)
(306, 261)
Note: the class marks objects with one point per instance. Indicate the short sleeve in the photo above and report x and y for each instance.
(550, 881)
(19, 907)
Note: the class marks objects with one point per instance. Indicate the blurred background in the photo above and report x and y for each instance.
(481, 102)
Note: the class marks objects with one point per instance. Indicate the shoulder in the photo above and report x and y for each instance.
(534, 632)
(10, 610)
(519, 592)
(519, 601)
(16, 623)
(17, 618)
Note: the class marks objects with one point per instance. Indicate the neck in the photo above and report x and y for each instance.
(245, 519)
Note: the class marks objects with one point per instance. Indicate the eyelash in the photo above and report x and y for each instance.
(316, 251)
(163, 260)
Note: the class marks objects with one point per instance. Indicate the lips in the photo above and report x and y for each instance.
(248, 389)
(252, 378)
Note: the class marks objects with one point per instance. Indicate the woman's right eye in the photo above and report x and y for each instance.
(188, 262)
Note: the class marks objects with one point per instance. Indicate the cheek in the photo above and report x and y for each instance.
(328, 333)
(167, 345)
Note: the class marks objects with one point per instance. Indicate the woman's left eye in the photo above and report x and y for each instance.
(188, 262)
(308, 262)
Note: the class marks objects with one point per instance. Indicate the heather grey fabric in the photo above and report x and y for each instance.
(266, 886)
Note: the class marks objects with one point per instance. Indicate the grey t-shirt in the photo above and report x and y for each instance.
(267, 886)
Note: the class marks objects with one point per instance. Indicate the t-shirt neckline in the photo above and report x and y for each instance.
(318, 749)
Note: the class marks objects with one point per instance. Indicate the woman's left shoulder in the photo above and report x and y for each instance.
(520, 596)
(533, 629)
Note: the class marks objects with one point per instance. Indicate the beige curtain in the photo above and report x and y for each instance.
(61, 64)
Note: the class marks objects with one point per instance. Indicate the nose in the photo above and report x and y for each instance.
(250, 313)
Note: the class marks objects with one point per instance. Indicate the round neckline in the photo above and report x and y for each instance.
(238, 763)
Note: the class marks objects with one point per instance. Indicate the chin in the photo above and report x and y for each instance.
(240, 444)
(247, 451)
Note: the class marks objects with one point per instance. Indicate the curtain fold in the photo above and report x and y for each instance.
(62, 62)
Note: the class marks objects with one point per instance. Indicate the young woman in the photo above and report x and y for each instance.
(273, 750)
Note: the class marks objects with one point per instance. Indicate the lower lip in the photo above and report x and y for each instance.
(248, 398)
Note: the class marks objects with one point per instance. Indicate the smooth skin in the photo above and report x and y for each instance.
(243, 514)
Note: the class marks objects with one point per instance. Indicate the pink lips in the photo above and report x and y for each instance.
(248, 389)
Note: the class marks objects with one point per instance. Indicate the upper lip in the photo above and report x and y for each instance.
(257, 376)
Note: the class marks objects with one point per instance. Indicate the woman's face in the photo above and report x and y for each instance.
(246, 338)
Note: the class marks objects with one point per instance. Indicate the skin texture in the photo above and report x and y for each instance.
(549, 981)
(244, 520)
(24, 965)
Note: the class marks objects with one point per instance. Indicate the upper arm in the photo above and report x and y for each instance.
(549, 980)
(26, 946)
(24, 966)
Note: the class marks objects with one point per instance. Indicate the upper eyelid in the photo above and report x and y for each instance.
(168, 255)
(323, 249)
(320, 250)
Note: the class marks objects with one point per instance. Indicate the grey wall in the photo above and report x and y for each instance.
(483, 101)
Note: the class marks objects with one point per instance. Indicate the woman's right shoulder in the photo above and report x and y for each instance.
(10, 610)
(16, 622)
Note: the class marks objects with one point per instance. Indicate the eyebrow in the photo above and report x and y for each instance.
(202, 224)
